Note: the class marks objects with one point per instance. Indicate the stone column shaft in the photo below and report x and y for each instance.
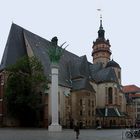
(54, 100)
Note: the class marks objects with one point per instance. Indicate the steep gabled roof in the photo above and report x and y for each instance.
(106, 75)
(82, 84)
(84, 67)
(39, 47)
(15, 47)
(109, 112)
(94, 68)
(100, 112)
(112, 63)
(70, 66)
(69, 62)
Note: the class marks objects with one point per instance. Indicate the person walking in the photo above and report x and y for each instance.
(76, 129)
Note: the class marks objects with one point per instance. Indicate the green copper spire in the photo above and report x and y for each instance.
(101, 26)
(101, 30)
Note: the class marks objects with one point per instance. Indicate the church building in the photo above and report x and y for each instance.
(89, 92)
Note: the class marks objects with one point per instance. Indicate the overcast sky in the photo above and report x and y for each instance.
(77, 23)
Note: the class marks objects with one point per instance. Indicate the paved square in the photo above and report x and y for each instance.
(66, 134)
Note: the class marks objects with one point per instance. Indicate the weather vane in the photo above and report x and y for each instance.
(100, 13)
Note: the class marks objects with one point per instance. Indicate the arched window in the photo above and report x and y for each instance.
(114, 122)
(80, 102)
(89, 103)
(110, 96)
(81, 112)
(119, 74)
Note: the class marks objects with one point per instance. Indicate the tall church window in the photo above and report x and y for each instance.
(116, 99)
(92, 103)
(114, 122)
(119, 75)
(81, 112)
(89, 103)
(120, 99)
(110, 95)
(92, 112)
(89, 113)
(0, 89)
(106, 101)
(80, 102)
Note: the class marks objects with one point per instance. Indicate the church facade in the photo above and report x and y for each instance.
(89, 93)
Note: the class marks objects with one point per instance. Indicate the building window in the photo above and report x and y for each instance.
(116, 99)
(92, 122)
(88, 102)
(122, 122)
(119, 75)
(92, 103)
(68, 101)
(89, 122)
(81, 113)
(110, 96)
(89, 113)
(114, 122)
(138, 116)
(92, 113)
(106, 95)
(120, 99)
(80, 102)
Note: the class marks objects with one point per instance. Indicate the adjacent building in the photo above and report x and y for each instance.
(132, 94)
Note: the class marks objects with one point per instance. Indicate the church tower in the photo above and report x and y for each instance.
(101, 47)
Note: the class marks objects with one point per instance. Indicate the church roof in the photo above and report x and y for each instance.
(81, 84)
(12, 53)
(112, 63)
(109, 112)
(105, 75)
(71, 66)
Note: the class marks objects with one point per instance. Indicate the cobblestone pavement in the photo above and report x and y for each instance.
(66, 134)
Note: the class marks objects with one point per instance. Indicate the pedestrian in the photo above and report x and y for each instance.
(76, 129)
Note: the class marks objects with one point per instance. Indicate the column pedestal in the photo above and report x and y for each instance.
(55, 128)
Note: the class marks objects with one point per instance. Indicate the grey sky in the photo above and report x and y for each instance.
(77, 23)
